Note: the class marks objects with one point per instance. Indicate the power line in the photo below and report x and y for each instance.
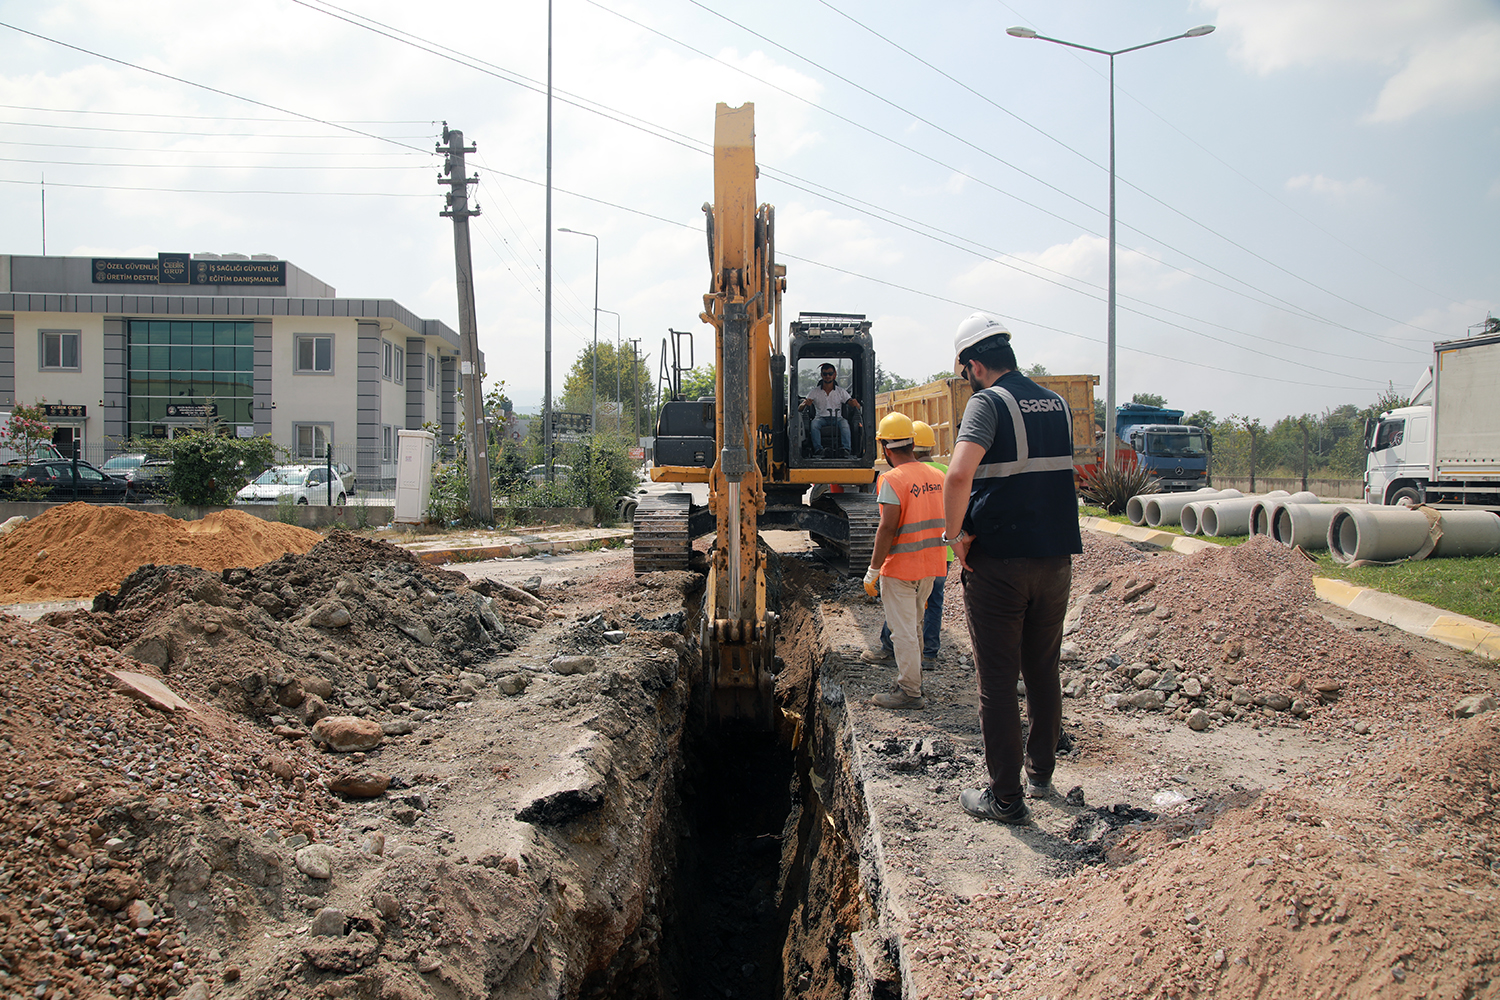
(179, 190)
(208, 152)
(217, 166)
(219, 118)
(204, 86)
(224, 135)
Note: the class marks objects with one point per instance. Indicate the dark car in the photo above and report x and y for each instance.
(146, 474)
(53, 482)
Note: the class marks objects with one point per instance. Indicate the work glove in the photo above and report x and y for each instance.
(872, 582)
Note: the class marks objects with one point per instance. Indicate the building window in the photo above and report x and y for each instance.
(59, 350)
(400, 367)
(194, 363)
(386, 348)
(314, 355)
(313, 440)
(387, 432)
(431, 372)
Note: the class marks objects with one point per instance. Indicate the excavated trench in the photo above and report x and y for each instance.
(763, 889)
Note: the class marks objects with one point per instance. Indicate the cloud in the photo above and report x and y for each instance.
(1085, 260)
(1440, 55)
(1360, 187)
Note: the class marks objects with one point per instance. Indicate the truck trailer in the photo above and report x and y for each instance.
(1444, 449)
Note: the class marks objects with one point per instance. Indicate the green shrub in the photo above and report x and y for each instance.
(1112, 486)
(209, 468)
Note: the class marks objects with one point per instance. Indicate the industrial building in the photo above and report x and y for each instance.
(141, 347)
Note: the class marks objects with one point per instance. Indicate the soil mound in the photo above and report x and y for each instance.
(79, 550)
(107, 802)
(352, 626)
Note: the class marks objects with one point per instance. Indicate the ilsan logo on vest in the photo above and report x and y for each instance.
(1042, 405)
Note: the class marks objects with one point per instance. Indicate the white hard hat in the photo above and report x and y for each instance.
(978, 327)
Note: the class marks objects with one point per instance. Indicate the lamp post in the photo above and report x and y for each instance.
(617, 363)
(1109, 382)
(594, 382)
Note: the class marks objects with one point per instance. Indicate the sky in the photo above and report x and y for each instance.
(1306, 198)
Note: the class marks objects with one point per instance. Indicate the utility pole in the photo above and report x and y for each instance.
(636, 379)
(547, 278)
(476, 432)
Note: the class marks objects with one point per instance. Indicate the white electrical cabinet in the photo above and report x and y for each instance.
(414, 450)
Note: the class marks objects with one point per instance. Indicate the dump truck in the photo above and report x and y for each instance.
(940, 405)
(1177, 453)
(1444, 449)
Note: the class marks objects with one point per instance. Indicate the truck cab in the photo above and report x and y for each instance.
(1177, 453)
(1399, 456)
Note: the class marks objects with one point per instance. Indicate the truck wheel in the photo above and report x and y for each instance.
(1406, 493)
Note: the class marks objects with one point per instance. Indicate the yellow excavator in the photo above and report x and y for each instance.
(754, 443)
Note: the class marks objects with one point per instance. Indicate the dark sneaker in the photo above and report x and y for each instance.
(897, 698)
(1036, 790)
(982, 803)
(929, 662)
(878, 656)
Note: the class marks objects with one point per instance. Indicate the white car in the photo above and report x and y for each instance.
(305, 484)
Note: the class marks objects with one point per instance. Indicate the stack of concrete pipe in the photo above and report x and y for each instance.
(1223, 517)
(1263, 514)
(1360, 533)
(1303, 524)
(1157, 509)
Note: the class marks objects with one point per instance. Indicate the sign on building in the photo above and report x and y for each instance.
(181, 269)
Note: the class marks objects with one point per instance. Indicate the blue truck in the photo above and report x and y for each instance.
(1178, 453)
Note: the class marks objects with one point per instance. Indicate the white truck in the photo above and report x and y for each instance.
(1443, 449)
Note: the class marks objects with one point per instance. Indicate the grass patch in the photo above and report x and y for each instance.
(1468, 586)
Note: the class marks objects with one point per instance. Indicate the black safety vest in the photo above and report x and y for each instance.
(1023, 502)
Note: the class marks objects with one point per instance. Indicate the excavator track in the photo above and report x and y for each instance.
(851, 554)
(662, 539)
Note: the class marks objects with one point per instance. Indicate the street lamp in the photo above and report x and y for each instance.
(618, 410)
(594, 403)
(1109, 383)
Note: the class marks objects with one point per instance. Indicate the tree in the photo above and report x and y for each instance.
(889, 382)
(619, 373)
(940, 376)
(1149, 399)
(27, 431)
(1203, 418)
(209, 468)
(699, 382)
(1036, 370)
(1389, 399)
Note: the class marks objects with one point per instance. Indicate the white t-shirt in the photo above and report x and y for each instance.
(827, 403)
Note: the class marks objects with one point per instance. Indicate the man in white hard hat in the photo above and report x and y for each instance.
(1011, 515)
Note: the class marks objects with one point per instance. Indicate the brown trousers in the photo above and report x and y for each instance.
(1016, 609)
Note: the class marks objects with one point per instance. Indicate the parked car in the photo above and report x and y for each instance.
(346, 475)
(560, 473)
(147, 474)
(12, 464)
(53, 482)
(305, 484)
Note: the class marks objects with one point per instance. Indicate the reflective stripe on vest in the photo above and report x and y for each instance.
(1024, 462)
(918, 550)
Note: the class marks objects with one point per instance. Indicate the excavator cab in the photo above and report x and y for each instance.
(814, 434)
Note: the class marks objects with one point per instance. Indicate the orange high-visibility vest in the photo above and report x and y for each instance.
(918, 550)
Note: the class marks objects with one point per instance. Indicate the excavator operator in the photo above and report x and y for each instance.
(826, 402)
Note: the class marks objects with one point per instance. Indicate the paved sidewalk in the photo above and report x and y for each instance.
(1459, 631)
(472, 546)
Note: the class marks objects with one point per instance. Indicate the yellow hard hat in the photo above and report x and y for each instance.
(895, 430)
(922, 436)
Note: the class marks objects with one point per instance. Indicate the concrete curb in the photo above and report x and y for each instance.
(1459, 631)
(513, 546)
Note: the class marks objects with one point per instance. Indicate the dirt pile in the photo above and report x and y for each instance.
(1372, 880)
(114, 815)
(351, 627)
(1227, 634)
(79, 549)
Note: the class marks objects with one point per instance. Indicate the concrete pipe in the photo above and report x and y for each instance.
(1222, 518)
(1468, 533)
(1304, 524)
(1263, 514)
(1166, 508)
(1376, 534)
